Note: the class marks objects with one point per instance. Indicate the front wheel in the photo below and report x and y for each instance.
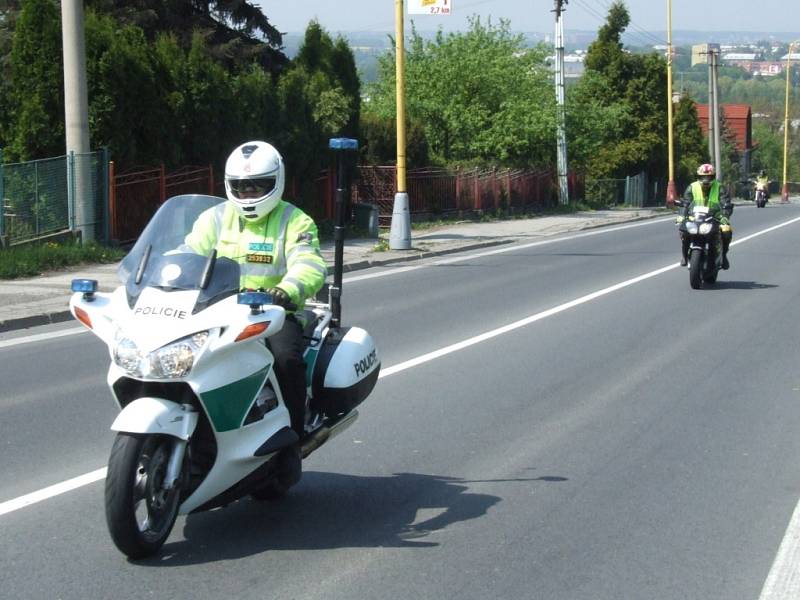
(695, 268)
(140, 511)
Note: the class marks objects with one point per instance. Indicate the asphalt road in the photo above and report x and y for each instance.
(623, 437)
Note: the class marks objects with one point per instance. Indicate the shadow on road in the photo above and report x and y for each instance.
(326, 511)
(739, 285)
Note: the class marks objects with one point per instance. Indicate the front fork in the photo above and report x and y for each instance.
(175, 464)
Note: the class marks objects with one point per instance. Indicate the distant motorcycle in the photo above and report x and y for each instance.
(761, 197)
(705, 246)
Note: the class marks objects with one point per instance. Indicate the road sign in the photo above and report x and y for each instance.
(430, 7)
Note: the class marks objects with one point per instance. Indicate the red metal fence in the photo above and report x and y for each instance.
(137, 193)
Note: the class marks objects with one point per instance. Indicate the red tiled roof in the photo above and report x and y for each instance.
(739, 120)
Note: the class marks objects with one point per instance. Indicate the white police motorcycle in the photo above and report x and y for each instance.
(203, 420)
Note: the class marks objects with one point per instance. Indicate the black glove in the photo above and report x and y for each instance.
(728, 209)
(281, 298)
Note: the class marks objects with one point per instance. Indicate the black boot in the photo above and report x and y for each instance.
(684, 252)
(726, 242)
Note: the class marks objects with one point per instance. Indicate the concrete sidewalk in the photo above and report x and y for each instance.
(41, 300)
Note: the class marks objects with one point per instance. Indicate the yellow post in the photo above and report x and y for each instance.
(400, 96)
(400, 232)
(785, 190)
(671, 195)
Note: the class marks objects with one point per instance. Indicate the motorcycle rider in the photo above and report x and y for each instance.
(277, 247)
(762, 183)
(707, 191)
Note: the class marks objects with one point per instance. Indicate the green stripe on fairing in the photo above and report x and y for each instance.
(227, 406)
(311, 359)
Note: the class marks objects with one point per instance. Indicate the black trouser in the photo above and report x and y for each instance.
(287, 348)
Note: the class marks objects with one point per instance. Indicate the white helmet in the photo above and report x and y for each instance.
(254, 179)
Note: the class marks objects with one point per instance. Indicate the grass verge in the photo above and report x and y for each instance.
(32, 260)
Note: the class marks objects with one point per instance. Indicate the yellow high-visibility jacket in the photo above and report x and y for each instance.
(280, 250)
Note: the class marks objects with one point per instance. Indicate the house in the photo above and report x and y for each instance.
(740, 121)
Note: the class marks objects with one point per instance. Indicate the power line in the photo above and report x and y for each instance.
(641, 33)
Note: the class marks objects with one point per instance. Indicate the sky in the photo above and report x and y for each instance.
(536, 15)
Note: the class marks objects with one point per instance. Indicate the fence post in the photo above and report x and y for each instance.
(71, 190)
(162, 184)
(2, 203)
(36, 196)
(476, 190)
(458, 188)
(112, 201)
(103, 158)
(210, 180)
(627, 189)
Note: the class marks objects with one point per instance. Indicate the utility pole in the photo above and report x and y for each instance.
(400, 231)
(711, 116)
(561, 135)
(76, 117)
(717, 120)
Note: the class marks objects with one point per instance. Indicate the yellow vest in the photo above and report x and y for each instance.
(282, 249)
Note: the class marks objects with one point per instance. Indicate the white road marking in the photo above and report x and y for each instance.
(783, 581)
(783, 574)
(39, 337)
(53, 490)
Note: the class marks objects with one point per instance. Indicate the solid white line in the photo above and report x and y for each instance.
(66, 486)
(39, 337)
(53, 490)
(783, 581)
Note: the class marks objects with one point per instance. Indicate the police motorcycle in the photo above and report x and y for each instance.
(705, 245)
(203, 420)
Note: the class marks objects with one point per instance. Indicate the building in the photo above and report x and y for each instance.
(700, 53)
(761, 68)
(739, 119)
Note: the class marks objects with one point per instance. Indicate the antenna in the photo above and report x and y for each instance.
(342, 149)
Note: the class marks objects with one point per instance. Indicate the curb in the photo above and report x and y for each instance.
(419, 255)
(35, 321)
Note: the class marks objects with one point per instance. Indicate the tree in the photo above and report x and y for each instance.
(236, 31)
(34, 99)
(630, 89)
(482, 96)
(9, 10)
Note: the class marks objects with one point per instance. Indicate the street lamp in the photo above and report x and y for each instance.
(785, 191)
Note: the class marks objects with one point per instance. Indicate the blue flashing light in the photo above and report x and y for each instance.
(87, 286)
(343, 144)
(253, 298)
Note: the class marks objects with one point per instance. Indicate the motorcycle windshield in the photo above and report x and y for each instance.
(160, 258)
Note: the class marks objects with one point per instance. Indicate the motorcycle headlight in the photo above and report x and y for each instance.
(691, 227)
(127, 355)
(172, 361)
(705, 228)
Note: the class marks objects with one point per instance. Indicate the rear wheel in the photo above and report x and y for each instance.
(695, 268)
(140, 512)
